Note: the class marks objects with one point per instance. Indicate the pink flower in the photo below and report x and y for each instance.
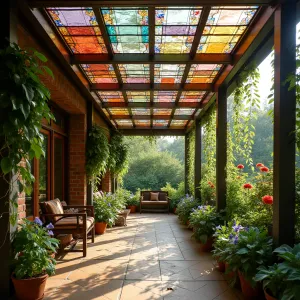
(259, 165)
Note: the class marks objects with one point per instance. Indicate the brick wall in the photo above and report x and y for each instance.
(106, 182)
(77, 174)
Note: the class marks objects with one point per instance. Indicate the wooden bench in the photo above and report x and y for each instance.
(160, 205)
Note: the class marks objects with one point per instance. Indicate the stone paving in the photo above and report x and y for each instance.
(153, 257)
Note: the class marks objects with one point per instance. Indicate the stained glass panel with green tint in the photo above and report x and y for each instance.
(134, 73)
(98, 73)
(204, 73)
(167, 73)
(165, 96)
(127, 29)
(178, 123)
(138, 96)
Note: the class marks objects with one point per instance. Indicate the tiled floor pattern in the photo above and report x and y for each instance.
(153, 257)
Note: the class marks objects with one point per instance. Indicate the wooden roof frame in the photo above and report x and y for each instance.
(228, 60)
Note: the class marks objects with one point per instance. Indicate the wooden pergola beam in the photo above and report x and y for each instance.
(149, 87)
(132, 3)
(148, 131)
(149, 117)
(153, 105)
(140, 58)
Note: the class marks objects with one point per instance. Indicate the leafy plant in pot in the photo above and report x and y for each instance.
(253, 249)
(105, 213)
(204, 220)
(185, 208)
(132, 202)
(282, 280)
(32, 250)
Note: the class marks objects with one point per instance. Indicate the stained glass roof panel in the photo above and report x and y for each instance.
(138, 96)
(184, 111)
(178, 123)
(140, 111)
(224, 28)
(167, 73)
(119, 111)
(165, 96)
(98, 73)
(79, 29)
(142, 123)
(124, 123)
(191, 96)
(204, 73)
(160, 123)
(127, 29)
(175, 28)
(113, 96)
(162, 111)
(135, 73)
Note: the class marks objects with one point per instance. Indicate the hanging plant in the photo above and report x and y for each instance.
(118, 159)
(23, 105)
(191, 161)
(97, 153)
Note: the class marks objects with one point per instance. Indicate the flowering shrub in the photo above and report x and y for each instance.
(174, 194)
(31, 248)
(208, 192)
(252, 249)
(185, 208)
(204, 220)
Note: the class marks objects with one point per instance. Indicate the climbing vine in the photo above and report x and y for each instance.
(191, 161)
(208, 124)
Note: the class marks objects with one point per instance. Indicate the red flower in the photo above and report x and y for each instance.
(267, 199)
(240, 166)
(264, 169)
(209, 183)
(212, 186)
(259, 165)
(247, 186)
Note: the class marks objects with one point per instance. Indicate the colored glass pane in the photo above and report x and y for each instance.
(79, 29)
(119, 111)
(165, 96)
(142, 123)
(138, 96)
(191, 96)
(167, 73)
(184, 111)
(224, 28)
(175, 28)
(160, 123)
(140, 111)
(178, 123)
(135, 73)
(203, 73)
(98, 73)
(162, 111)
(127, 29)
(124, 123)
(111, 96)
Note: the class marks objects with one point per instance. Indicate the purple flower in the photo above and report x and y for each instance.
(236, 239)
(38, 221)
(246, 229)
(50, 226)
(109, 204)
(237, 228)
(230, 236)
(219, 227)
(186, 195)
(50, 232)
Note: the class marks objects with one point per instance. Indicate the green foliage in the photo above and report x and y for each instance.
(176, 147)
(23, 105)
(31, 249)
(118, 155)
(185, 208)
(107, 207)
(174, 194)
(127, 197)
(97, 153)
(283, 279)
(252, 249)
(204, 221)
(191, 161)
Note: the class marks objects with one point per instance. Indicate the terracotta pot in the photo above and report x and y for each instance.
(268, 296)
(221, 266)
(208, 246)
(174, 210)
(132, 208)
(247, 289)
(229, 275)
(100, 227)
(31, 288)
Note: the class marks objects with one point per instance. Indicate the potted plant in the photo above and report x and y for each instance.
(132, 202)
(204, 221)
(185, 208)
(253, 249)
(33, 262)
(222, 242)
(105, 212)
(282, 280)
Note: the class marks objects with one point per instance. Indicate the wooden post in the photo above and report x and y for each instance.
(284, 124)
(90, 112)
(197, 159)
(8, 183)
(221, 153)
(186, 186)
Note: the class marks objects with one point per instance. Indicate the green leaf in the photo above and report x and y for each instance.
(40, 56)
(48, 70)
(6, 165)
(28, 92)
(242, 251)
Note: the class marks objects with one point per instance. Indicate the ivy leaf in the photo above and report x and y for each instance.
(40, 56)
(25, 109)
(28, 92)
(6, 165)
(48, 70)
